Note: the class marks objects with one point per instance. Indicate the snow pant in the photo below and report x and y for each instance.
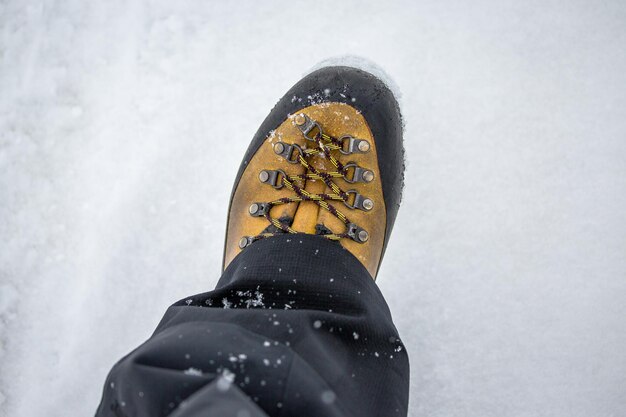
(295, 327)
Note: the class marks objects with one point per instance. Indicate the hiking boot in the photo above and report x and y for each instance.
(327, 161)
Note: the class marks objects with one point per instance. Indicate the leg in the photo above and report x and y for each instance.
(294, 329)
(296, 325)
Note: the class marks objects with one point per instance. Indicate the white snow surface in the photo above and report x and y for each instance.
(122, 125)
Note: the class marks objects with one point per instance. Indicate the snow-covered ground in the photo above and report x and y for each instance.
(122, 125)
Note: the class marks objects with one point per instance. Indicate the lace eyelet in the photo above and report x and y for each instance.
(360, 174)
(286, 151)
(306, 126)
(270, 176)
(354, 145)
(360, 202)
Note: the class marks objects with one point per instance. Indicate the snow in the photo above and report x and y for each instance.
(328, 397)
(122, 125)
(193, 371)
(225, 380)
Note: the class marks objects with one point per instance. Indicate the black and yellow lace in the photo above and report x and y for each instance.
(350, 172)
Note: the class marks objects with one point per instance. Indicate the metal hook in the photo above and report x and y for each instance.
(307, 125)
(360, 202)
(356, 233)
(354, 145)
(259, 209)
(268, 176)
(246, 241)
(360, 174)
(286, 151)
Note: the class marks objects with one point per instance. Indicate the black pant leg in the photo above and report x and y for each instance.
(295, 327)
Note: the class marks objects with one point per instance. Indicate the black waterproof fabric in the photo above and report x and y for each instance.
(296, 327)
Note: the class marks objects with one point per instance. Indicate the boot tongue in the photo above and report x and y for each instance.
(307, 214)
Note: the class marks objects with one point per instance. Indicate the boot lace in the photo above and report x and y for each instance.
(295, 154)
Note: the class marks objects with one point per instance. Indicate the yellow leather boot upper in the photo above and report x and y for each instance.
(335, 120)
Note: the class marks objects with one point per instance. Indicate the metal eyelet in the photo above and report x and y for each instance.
(307, 125)
(360, 174)
(354, 145)
(259, 209)
(269, 176)
(245, 241)
(356, 233)
(360, 202)
(286, 151)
